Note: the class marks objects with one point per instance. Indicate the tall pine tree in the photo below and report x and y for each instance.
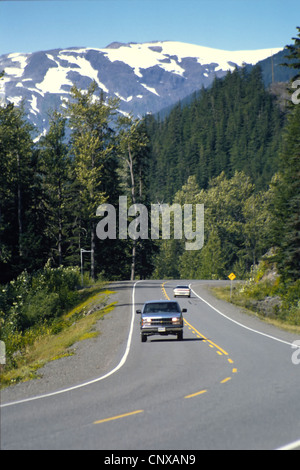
(91, 147)
(286, 202)
(17, 185)
(55, 170)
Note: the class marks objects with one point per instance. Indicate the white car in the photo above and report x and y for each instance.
(182, 291)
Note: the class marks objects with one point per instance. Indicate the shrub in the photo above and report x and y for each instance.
(32, 299)
(291, 304)
(40, 306)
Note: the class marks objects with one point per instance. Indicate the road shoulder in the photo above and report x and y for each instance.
(238, 314)
(92, 358)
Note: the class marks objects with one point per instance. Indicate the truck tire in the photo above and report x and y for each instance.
(180, 336)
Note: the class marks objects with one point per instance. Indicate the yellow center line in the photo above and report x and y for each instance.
(206, 339)
(225, 380)
(196, 394)
(118, 417)
(211, 344)
(194, 329)
(164, 291)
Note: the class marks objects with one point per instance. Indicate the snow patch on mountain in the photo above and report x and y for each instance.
(145, 77)
(170, 54)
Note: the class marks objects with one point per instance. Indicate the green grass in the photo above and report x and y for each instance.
(244, 296)
(51, 342)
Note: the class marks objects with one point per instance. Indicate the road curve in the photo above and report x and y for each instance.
(230, 384)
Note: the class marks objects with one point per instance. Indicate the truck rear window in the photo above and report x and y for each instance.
(162, 307)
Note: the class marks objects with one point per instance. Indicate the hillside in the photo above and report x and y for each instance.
(233, 126)
(145, 77)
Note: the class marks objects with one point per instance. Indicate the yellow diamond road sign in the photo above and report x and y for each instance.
(232, 276)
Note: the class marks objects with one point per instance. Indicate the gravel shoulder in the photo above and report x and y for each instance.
(92, 358)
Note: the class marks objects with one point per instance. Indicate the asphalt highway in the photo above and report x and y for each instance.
(231, 383)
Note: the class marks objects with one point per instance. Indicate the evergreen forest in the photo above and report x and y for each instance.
(231, 148)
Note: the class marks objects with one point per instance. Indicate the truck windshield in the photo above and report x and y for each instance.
(162, 307)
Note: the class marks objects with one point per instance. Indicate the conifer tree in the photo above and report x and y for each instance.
(286, 202)
(91, 145)
(17, 176)
(294, 54)
(55, 169)
(132, 143)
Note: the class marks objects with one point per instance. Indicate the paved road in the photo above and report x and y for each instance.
(231, 384)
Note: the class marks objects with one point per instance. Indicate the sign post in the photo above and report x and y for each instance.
(81, 262)
(231, 276)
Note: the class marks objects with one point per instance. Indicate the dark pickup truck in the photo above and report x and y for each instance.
(161, 317)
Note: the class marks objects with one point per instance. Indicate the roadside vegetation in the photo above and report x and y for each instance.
(266, 295)
(231, 148)
(47, 313)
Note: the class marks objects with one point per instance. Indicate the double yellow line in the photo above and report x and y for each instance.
(200, 335)
(211, 343)
(220, 350)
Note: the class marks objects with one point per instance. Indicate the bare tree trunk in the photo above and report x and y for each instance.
(20, 224)
(133, 255)
(60, 242)
(93, 233)
(141, 184)
(60, 236)
(93, 252)
(132, 277)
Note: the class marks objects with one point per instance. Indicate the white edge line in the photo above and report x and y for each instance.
(240, 324)
(85, 384)
(291, 446)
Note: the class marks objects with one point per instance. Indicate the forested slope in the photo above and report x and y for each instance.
(233, 126)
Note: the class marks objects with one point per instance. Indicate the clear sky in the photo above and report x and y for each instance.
(28, 26)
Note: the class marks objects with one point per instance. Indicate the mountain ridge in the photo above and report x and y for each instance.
(146, 77)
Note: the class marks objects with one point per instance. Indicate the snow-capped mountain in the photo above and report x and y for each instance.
(145, 77)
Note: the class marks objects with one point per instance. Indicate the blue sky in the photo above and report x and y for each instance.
(28, 26)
